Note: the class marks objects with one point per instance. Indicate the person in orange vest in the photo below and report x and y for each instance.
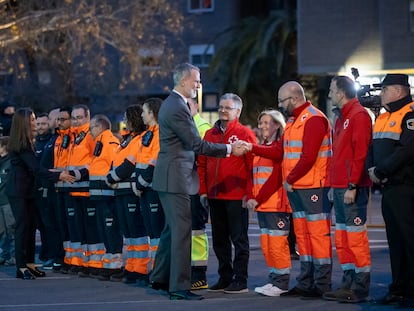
(269, 199)
(351, 185)
(102, 196)
(60, 158)
(86, 246)
(147, 155)
(306, 153)
(391, 165)
(122, 178)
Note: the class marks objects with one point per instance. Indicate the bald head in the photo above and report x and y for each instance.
(290, 96)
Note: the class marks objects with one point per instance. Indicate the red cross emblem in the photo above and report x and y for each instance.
(233, 139)
(314, 198)
(357, 221)
(280, 224)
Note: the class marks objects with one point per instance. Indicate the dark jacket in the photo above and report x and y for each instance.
(25, 166)
(4, 176)
(393, 155)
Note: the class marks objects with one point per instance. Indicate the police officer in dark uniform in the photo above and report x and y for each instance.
(392, 165)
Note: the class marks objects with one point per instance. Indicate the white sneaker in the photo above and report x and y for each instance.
(273, 291)
(260, 290)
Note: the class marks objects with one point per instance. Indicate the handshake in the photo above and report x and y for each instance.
(240, 148)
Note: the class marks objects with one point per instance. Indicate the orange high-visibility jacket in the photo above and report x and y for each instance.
(101, 163)
(147, 157)
(80, 156)
(278, 201)
(318, 175)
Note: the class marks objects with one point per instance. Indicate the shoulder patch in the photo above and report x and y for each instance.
(410, 124)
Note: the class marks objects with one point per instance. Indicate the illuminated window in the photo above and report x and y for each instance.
(201, 54)
(200, 6)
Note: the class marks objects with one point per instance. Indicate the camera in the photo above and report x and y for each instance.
(365, 97)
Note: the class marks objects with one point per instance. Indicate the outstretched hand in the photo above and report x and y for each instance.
(241, 147)
(66, 177)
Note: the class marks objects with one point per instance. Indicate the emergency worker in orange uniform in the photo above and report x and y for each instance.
(81, 217)
(306, 153)
(351, 186)
(122, 178)
(60, 157)
(102, 196)
(269, 199)
(147, 155)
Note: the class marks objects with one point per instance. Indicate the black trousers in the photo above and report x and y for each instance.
(25, 230)
(152, 213)
(129, 214)
(108, 224)
(229, 224)
(398, 212)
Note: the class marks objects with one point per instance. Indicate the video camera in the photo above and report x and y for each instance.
(365, 97)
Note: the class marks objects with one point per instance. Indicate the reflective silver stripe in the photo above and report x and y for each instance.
(142, 166)
(280, 271)
(322, 261)
(99, 192)
(292, 155)
(93, 177)
(124, 185)
(76, 167)
(259, 181)
(114, 175)
(363, 269)
(293, 143)
(325, 154)
(320, 216)
(142, 182)
(263, 169)
(300, 214)
(387, 135)
(79, 184)
(356, 228)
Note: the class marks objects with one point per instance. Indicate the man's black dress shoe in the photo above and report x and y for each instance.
(389, 299)
(159, 286)
(36, 272)
(185, 295)
(25, 275)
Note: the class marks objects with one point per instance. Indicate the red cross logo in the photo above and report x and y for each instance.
(280, 224)
(233, 139)
(314, 198)
(357, 221)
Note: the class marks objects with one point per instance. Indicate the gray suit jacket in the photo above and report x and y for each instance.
(175, 171)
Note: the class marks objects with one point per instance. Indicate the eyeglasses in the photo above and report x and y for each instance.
(222, 108)
(283, 100)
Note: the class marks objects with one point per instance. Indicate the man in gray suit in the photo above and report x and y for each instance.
(175, 179)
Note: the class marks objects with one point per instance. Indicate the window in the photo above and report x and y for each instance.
(196, 6)
(201, 54)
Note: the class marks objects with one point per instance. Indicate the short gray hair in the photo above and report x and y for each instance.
(235, 98)
(183, 70)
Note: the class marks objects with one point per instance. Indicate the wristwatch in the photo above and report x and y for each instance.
(352, 186)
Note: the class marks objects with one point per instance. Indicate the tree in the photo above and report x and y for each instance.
(260, 56)
(97, 44)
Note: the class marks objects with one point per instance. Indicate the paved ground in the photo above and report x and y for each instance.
(68, 293)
